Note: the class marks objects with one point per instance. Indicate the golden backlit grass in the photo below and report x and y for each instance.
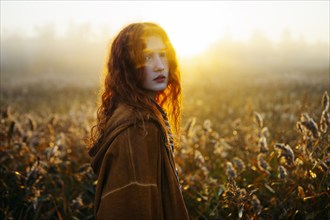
(252, 147)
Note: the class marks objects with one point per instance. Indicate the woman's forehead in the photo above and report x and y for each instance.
(154, 43)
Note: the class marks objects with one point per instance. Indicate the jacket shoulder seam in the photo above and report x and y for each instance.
(127, 185)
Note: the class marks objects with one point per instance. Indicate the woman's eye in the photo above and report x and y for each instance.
(148, 57)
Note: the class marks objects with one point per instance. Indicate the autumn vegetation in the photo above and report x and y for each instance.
(254, 140)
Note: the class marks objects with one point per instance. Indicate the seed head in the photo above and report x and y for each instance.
(263, 144)
(31, 123)
(231, 172)
(199, 157)
(236, 123)
(258, 119)
(282, 172)
(301, 193)
(286, 151)
(11, 129)
(207, 125)
(325, 101)
(262, 164)
(325, 121)
(256, 204)
(6, 113)
(327, 161)
(265, 132)
(239, 164)
(310, 124)
(78, 202)
(242, 193)
(190, 124)
(300, 127)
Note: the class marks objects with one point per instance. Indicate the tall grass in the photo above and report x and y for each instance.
(247, 151)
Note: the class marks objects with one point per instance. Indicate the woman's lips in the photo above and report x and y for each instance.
(160, 79)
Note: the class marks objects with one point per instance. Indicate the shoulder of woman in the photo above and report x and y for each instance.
(126, 114)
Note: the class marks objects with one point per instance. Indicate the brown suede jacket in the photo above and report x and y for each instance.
(136, 170)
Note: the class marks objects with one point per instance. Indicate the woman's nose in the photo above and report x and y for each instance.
(158, 64)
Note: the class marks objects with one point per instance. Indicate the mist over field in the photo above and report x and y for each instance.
(79, 56)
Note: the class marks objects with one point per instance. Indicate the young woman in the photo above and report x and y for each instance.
(132, 142)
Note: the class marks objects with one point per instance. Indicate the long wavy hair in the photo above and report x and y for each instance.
(125, 73)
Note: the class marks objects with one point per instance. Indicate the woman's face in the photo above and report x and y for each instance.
(156, 66)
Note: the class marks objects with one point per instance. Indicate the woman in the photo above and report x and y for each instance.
(132, 142)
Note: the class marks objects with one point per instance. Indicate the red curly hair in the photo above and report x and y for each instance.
(124, 77)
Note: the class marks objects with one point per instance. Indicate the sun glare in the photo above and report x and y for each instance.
(188, 45)
(190, 39)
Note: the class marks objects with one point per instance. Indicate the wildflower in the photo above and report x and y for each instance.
(258, 119)
(286, 151)
(231, 172)
(239, 164)
(282, 172)
(263, 145)
(263, 165)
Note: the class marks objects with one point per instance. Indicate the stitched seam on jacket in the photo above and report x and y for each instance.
(131, 183)
(131, 155)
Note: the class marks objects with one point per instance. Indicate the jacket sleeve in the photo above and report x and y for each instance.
(132, 175)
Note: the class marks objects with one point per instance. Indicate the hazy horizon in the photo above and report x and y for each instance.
(192, 25)
(63, 40)
(47, 57)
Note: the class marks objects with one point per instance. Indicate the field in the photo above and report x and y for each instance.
(253, 146)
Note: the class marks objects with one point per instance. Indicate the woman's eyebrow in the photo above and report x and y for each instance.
(154, 50)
